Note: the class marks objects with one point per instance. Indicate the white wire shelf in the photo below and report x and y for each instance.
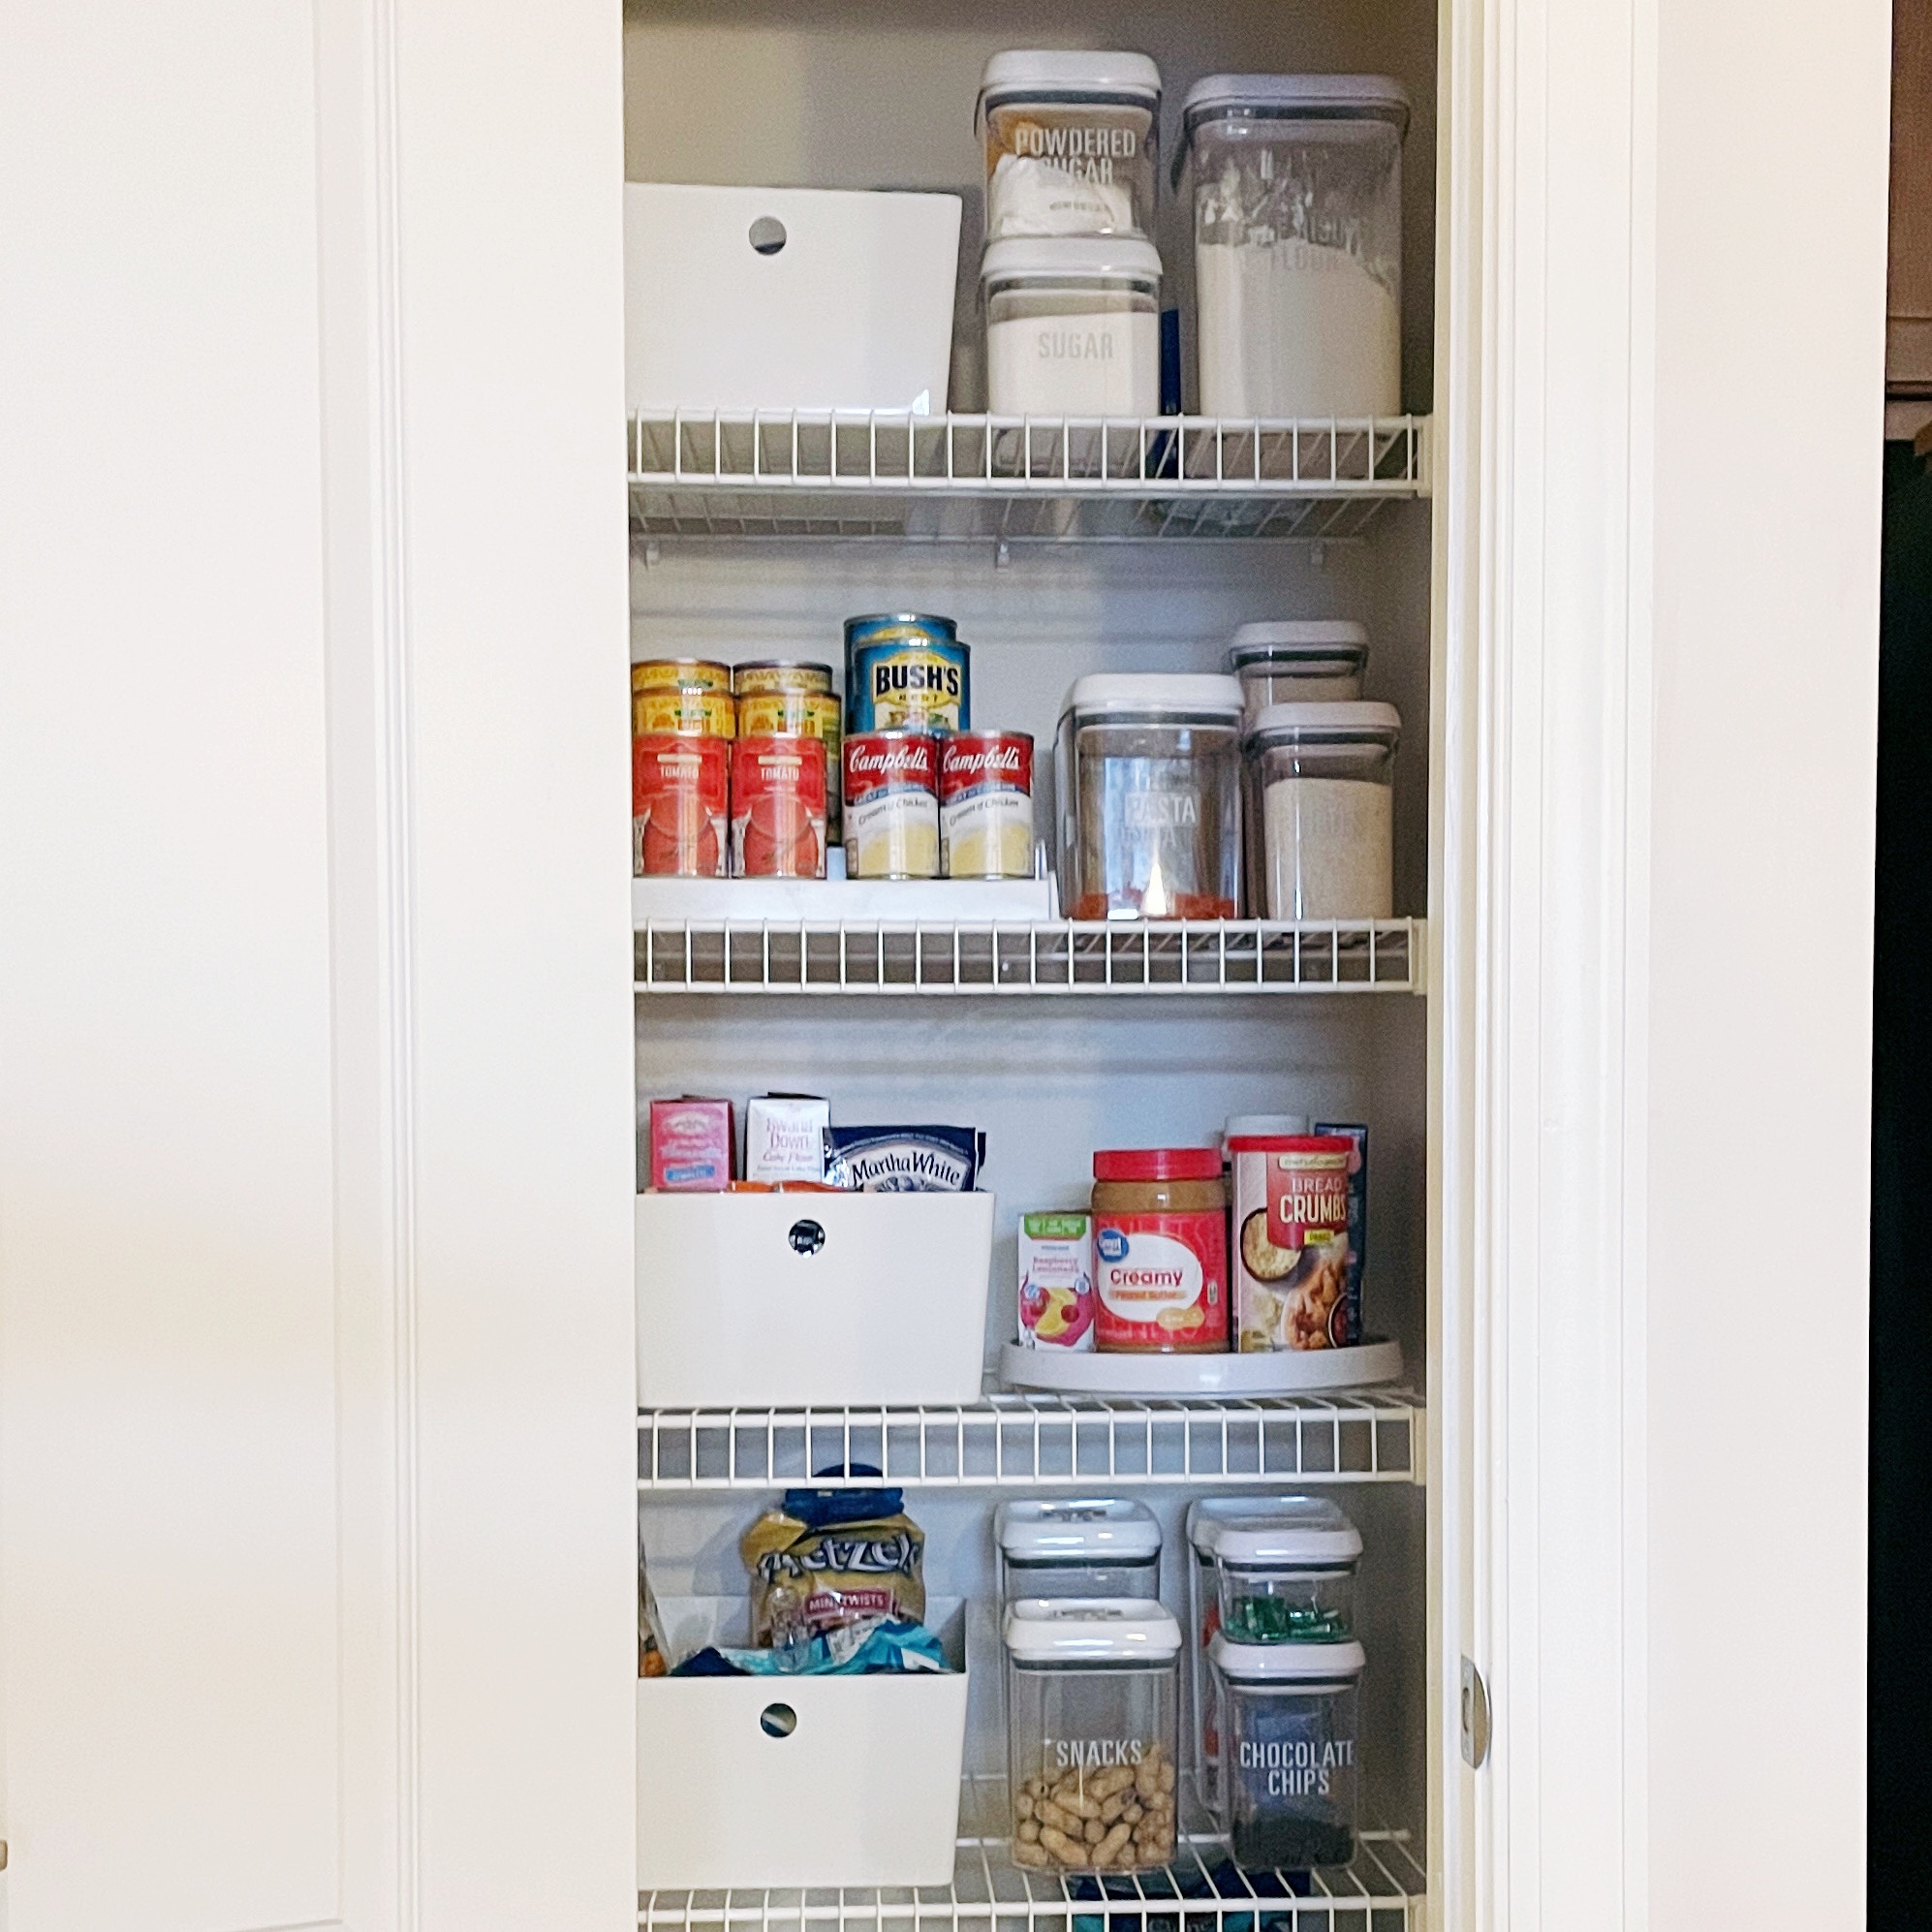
(1047, 956)
(1202, 1892)
(1034, 1441)
(970, 478)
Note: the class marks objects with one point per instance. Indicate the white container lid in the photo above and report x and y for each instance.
(1077, 1532)
(1253, 1531)
(1130, 694)
(1289, 640)
(1288, 1663)
(1338, 718)
(1368, 97)
(1264, 1126)
(1075, 258)
(1067, 74)
(1091, 1629)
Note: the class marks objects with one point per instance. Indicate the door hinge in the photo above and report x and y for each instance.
(1474, 1716)
(3, 1854)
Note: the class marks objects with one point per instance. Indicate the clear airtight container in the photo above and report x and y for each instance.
(1291, 1713)
(1073, 328)
(1297, 242)
(1077, 1548)
(1148, 788)
(1321, 799)
(1299, 663)
(1091, 1735)
(1071, 140)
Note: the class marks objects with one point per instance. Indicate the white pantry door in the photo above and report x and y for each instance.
(316, 1415)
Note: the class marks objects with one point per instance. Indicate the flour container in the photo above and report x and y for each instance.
(1077, 1548)
(1321, 797)
(1070, 139)
(1091, 1732)
(1291, 1715)
(1147, 778)
(1297, 242)
(1073, 326)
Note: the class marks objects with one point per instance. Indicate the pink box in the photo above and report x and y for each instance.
(691, 1145)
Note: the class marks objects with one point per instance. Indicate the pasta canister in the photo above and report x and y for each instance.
(684, 707)
(767, 674)
(778, 807)
(985, 805)
(891, 805)
(679, 786)
(905, 672)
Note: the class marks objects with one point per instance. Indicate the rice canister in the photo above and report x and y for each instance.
(905, 672)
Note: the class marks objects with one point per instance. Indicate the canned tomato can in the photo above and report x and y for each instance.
(684, 707)
(891, 805)
(905, 672)
(654, 674)
(817, 714)
(679, 786)
(985, 805)
(778, 807)
(766, 674)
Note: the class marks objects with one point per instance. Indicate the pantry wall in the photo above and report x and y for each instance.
(869, 96)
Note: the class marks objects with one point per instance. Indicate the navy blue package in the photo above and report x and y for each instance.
(904, 1160)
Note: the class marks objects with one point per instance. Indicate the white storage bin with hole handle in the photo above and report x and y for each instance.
(770, 1300)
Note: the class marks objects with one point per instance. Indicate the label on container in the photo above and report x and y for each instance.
(1292, 1212)
(679, 790)
(778, 808)
(891, 806)
(1056, 1281)
(1162, 1280)
(909, 684)
(985, 805)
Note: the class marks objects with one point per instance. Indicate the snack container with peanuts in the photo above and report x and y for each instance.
(684, 707)
(763, 676)
(1091, 1732)
(778, 808)
(891, 805)
(1293, 1287)
(680, 784)
(985, 805)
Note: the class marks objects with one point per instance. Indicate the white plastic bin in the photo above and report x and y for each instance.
(769, 1300)
(783, 298)
(769, 1783)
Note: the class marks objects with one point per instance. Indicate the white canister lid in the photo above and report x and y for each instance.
(1264, 1126)
(1068, 74)
(1336, 718)
(1288, 640)
(1288, 1663)
(1071, 258)
(1372, 97)
(1254, 1532)
(1129, 694)
(1090, 1630)
(1077, 1531)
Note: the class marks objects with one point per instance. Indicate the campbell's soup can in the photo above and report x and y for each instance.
(680, 784)
(684, 707)
(817, 714)
(766, 674)
(985, 805)
(654, 674)
(891, 805)
(905, 672)
(778, 807)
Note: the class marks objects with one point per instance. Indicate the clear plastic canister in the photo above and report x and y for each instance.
(1321, 791)
(1070, 138)
(1297, 242)
(1091, 1734)
(1147, 779)
(1298, 662)
(1079, 1547)
(1073, 328)
(1291, 1714)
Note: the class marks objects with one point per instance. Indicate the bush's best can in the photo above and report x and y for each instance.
(906, 672)
(778, 807)
(679, 784)
(891, 805)
(817, 714)
(985, 805)
(684, 707)
(766, 674)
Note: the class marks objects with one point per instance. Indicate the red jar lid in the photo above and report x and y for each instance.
(1158, 1164)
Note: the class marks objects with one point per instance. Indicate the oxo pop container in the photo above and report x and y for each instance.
(1297, 242)
(1091, 1732)
(1148, 783)
(1077, 1548)
(1073, 326)
(1299, 662)
(1285, 1797)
